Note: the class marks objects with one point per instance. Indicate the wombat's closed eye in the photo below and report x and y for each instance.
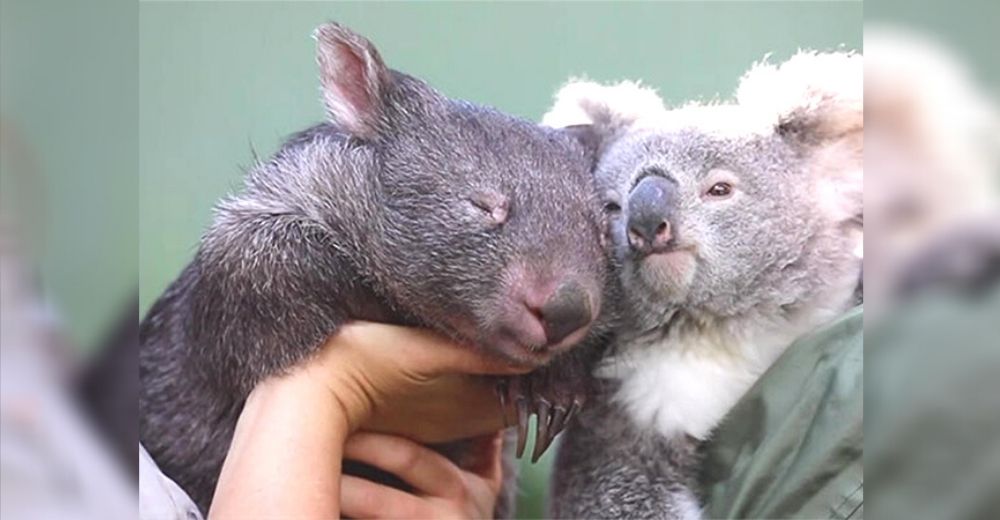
(494, 205)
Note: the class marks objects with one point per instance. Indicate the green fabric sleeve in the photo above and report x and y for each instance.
(792, 446)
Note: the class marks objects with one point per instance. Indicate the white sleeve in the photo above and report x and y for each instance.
(159, 497)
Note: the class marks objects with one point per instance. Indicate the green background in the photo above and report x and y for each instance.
(69, 95)
(218, 80)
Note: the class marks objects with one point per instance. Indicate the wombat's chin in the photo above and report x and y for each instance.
(570, 341)
(517, 353)
(504, 343)
(509, 347)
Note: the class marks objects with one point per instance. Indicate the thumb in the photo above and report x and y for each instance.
(485, 459)
(425, 351)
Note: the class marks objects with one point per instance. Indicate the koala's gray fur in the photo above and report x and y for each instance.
(608, 468)
(408, 207)
(742, 271)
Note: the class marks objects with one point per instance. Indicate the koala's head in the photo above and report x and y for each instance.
(487, 226)
(726, 208)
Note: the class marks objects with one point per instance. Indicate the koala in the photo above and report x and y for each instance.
(405, 207)
(738, 228)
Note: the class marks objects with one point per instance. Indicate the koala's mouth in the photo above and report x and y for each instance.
(672, 269)
(690, 249)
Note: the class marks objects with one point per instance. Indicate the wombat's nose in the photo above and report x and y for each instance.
(564, 312)
(649, 209)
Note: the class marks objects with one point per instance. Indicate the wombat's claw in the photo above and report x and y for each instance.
(501, 388)
(543, 421)
(551, 422)
(553, 409)
(577, 404)
(522, 426)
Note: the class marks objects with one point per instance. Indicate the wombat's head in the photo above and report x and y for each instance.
(724, 208)
(488, 226)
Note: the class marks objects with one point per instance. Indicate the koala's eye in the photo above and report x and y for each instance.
(611, 205)
(720, 190)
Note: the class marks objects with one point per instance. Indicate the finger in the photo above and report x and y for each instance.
(426, 351)
(483, 472)
(360, 498)
(492, 472)
(483, 456)
(426, 470)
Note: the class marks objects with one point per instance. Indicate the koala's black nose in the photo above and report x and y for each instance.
(564, 312)
(650, 206)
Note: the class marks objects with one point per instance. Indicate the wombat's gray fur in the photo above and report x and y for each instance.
(407, 207)
(738, 228)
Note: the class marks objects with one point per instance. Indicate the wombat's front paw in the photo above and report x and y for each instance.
(554, 394)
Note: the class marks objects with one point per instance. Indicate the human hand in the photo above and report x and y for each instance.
(368, 376)
(440, 489)
(409, 382)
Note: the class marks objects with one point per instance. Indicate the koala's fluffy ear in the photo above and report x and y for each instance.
(587, 136)
(816, 101)
(813, 96)
(607, 110)
(353, 79)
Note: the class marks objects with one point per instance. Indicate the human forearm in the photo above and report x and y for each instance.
(275, 440)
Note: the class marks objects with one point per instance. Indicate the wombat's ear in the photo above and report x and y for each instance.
(353, 79)
(816, 102)
(608, 110)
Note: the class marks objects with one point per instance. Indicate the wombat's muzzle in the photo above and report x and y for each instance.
(567, 310)
(546, 317)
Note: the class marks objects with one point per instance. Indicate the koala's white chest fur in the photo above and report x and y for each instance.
(687, 383)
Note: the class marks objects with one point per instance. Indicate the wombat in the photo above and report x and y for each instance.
(405, 207)
(738, 227)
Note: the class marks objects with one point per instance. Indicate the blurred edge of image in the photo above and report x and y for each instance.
(932, 205)
(68, 261)
(68, 241)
